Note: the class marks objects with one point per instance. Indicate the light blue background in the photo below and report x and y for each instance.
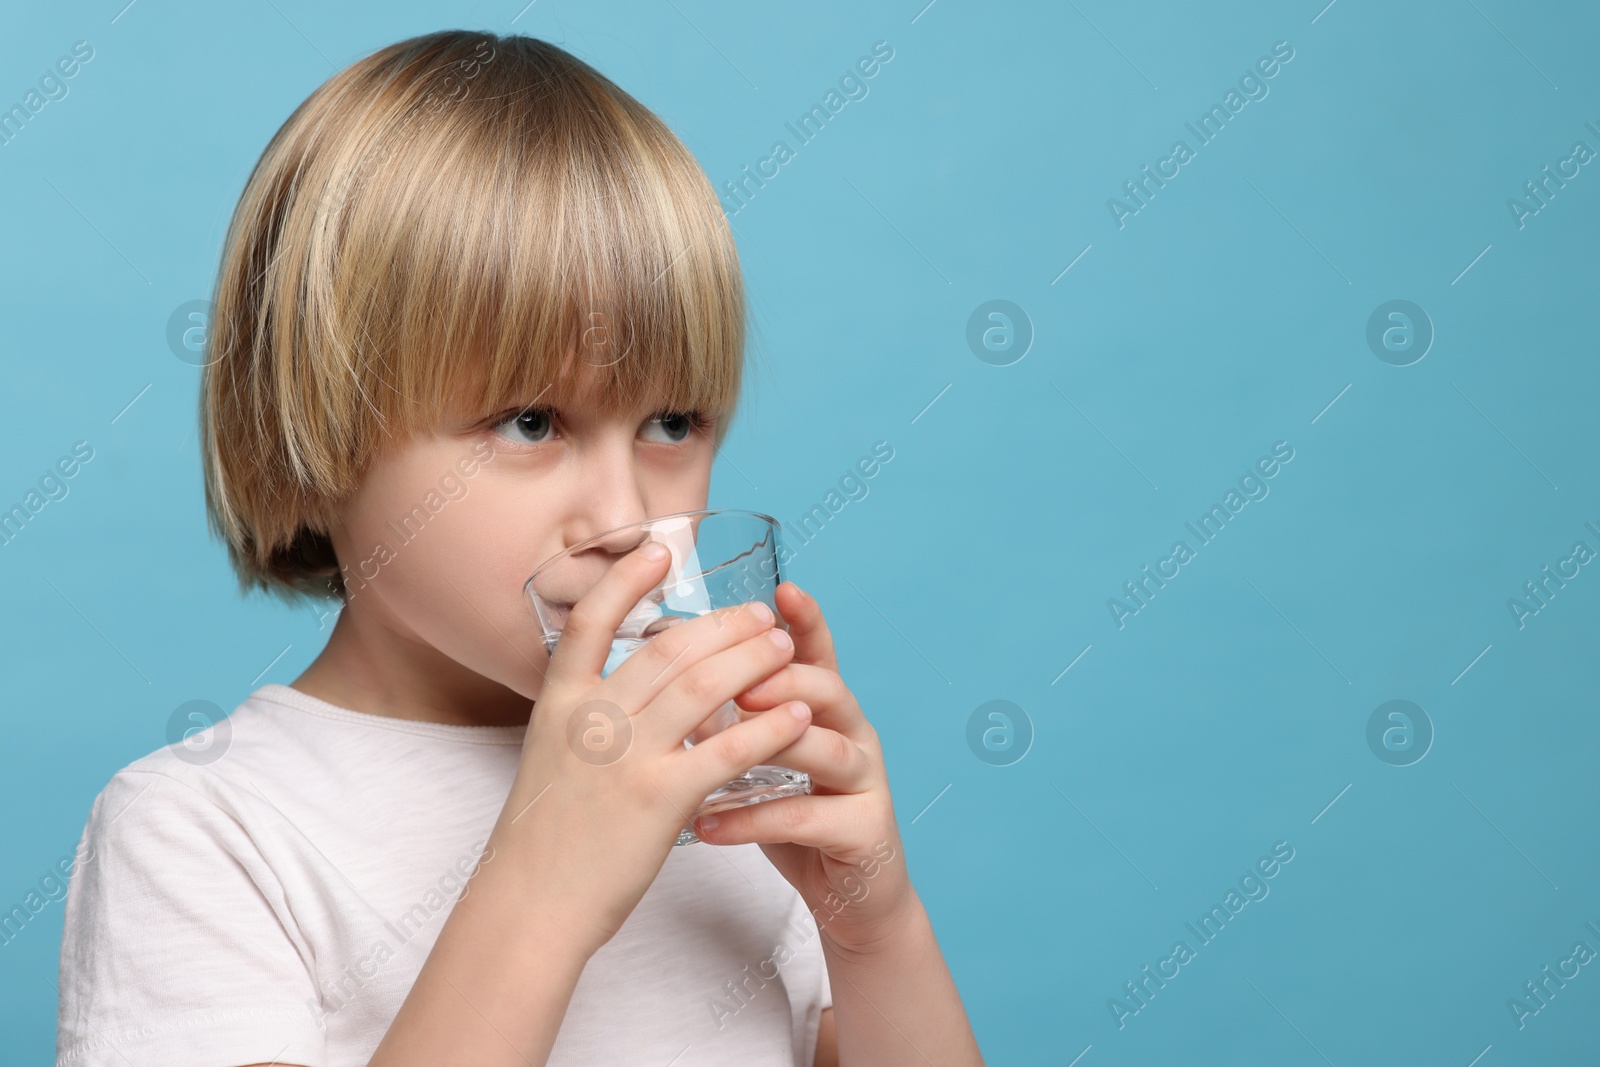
(1229, 714)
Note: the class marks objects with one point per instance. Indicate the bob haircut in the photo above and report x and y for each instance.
(441, 231)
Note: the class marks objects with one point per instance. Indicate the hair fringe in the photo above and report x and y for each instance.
(449, 227)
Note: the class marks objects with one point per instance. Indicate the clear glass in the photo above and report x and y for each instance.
(720, 557)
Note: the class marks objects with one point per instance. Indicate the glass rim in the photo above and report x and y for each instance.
(587, 541)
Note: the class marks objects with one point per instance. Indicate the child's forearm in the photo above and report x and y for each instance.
(496, 984)
(899, 1005)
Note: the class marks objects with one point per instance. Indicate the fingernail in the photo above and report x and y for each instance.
(780, 638)
(761, 611)
(800, 710)
(709, 822)
(655, 550)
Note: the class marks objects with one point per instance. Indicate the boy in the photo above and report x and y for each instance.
(477, 304)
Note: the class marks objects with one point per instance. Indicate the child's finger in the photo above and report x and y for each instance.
(727, 754)
(591, 623)
(833, 761)
(832, 704)
(813, 642)
(825, 822)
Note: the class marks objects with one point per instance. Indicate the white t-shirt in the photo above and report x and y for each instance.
(276, 903)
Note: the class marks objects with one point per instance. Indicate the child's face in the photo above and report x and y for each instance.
(435, 558)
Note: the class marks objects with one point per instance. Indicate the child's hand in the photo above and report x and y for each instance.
(605, 781)
(840, 846)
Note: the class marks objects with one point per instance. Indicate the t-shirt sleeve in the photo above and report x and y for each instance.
(177, 946)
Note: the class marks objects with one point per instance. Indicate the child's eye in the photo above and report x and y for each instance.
(530, 427)
(535, 426)
(676, 425)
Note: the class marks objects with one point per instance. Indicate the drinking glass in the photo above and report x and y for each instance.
(720, 557)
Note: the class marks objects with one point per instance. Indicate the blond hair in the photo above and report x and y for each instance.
(436, 231)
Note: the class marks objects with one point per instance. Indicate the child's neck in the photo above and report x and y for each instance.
(369, 668)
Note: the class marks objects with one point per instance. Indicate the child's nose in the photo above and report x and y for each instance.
(617, 541)
(609, 496)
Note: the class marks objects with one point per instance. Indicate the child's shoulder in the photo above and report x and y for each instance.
(210, 756)
(282, 758)
(207, 746)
